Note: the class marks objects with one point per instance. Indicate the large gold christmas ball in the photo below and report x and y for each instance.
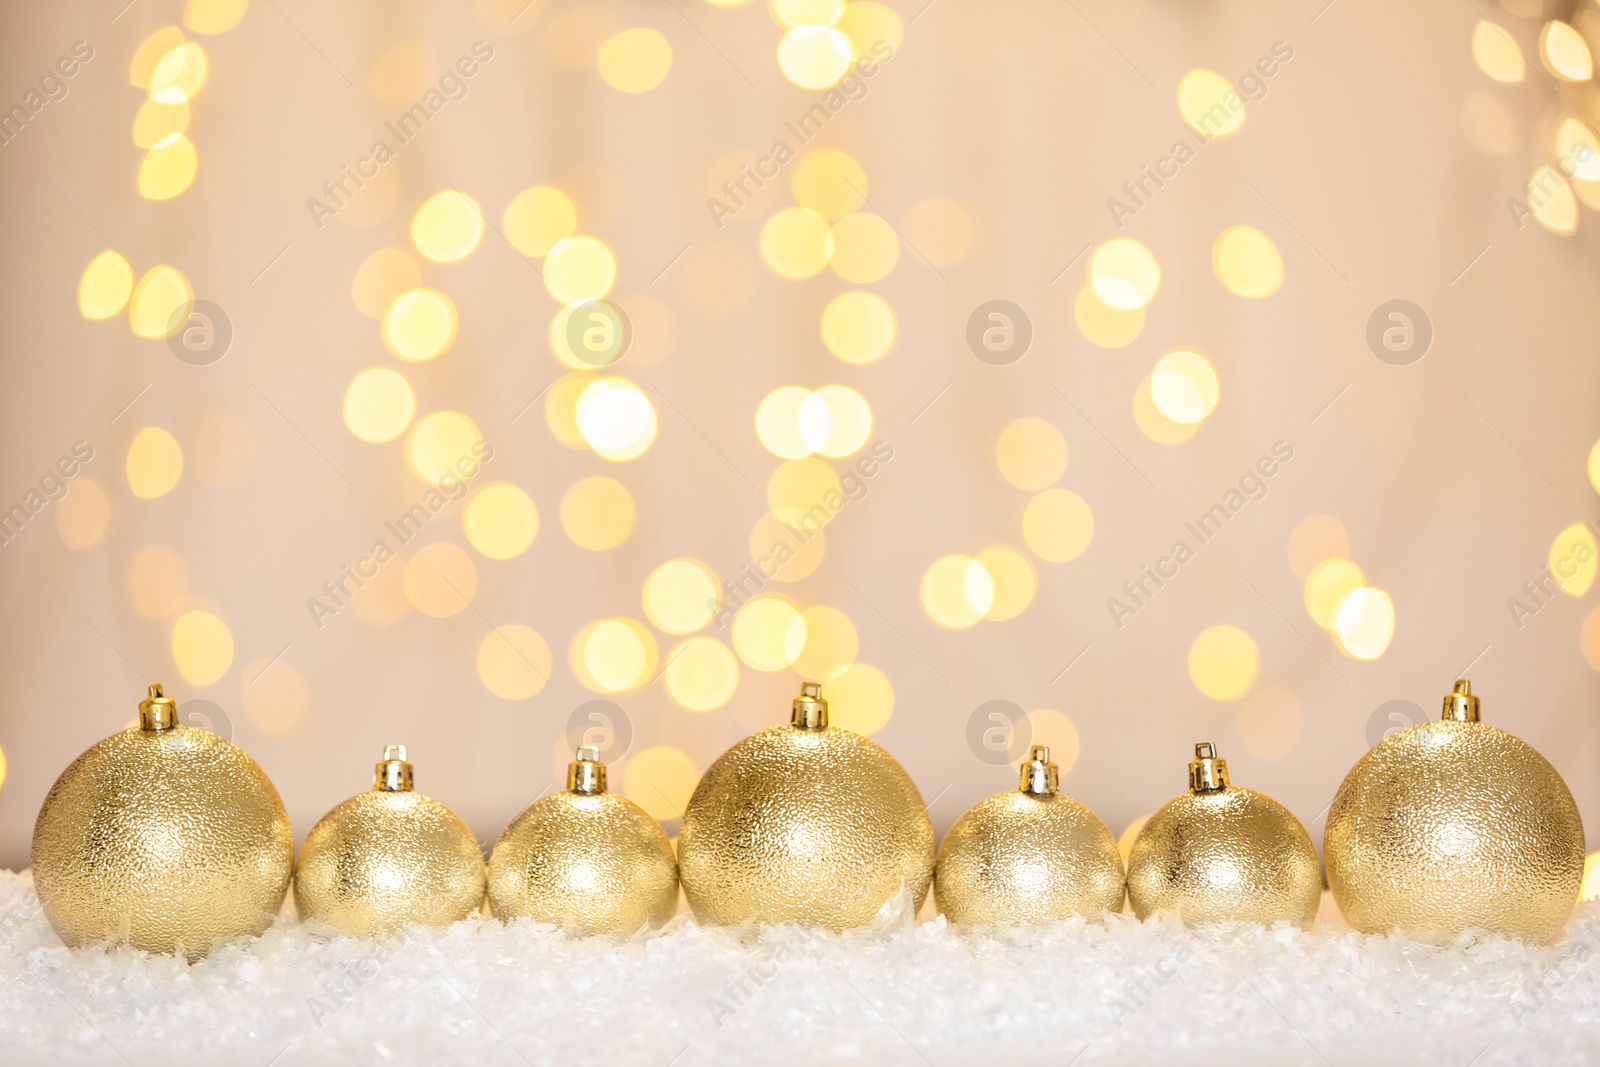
(585, 859)
(808, 824)
(1028, 856)
(1221, 853)
(389, 858)
(163, 837)
(1455, 825)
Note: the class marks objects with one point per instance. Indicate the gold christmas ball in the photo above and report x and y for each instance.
(163, 837)
(389, 858)
(1028, 856)
(1455, 825)
(805, 823)
(1222, 853)
(588, 860)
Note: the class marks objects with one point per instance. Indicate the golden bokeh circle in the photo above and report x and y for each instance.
(1058, 525)
(444, 448)
(763, 632)
(635, 60)
(1031, 454)
(1247, 262)
(680, 596)
(858, 327)
(447, 227)
(440, 579)
(419, 324)
(701, 674)
(957, 591)
(378, 404)
(500, 520)
(202, 647)
(1224, 662)
(154, 464)
(514, 661)
(598, 513)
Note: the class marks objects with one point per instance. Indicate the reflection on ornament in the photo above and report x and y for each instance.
(1223, 853)
(1455, 825)
(389, 858)
(163, 837)
(584, 859)
(1028, 856)
(805, 823)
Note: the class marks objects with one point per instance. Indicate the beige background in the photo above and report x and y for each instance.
(1028, 114)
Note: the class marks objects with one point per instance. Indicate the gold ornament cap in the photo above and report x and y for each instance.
(1208, 772)
(1461, 703)
(393, 774)
(157, 711)
(810, 710)
(586, 774)
(1040, 777)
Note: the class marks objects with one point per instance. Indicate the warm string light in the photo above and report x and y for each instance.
(1570, 174)
(830, 226)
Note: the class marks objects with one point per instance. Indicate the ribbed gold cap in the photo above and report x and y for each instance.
(810, 710)
(1040, 777)
(158, 711)
(393, 774)
(1208, 772)
(1461, 704)
(587, 774)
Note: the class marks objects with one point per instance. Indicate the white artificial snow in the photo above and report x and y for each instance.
(483, 993)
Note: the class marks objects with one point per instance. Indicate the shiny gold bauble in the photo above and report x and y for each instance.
(1454, 825)
(1221, 853)
(163, 837)
(389, 858)
(585, 859)
(808, 824)
(1028, 856)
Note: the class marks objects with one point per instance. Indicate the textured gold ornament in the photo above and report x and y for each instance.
(163, 837)
(1028, 856)
(591, 861)
(389, 858)
(805, 823)
(1223, 853)
(1455, 825)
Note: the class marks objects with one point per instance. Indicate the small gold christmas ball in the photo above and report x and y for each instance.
(588, 860)
(389, 858)
(806, 824)
(1028, 856)
(163, 837)
(1455, 825)
(1221, 853)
